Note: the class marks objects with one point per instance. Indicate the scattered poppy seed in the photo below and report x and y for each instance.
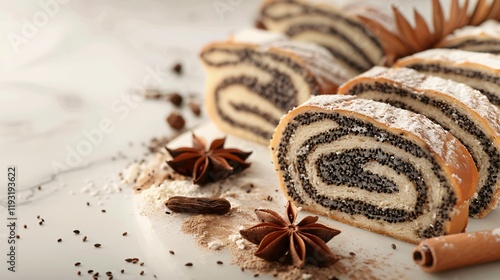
(177, 68)
(97, 245)
(18, 236)
(128, 260)
(168, 213)
(90, 271)
(171, 252)
(25, 226)
(393, 246)
(59, 240)
(76, 231)
(109, 273)
(352, 254)
(79, 272)
(256, 275)
(122, 271)
(84, 238)
(103, 210)
(141, 264)
(189, 264)
(135, 260)
(78, 263)
(142, 272)
(220, 262)
(40, 223)
(96, 274)
(43, 220)
(39, 188)
(242, 269)
(38, 217)
(125, 233)
(88, 203)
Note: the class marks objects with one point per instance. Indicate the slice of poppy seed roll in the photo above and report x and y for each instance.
(338, 30)
(478, 70)
(374, 166)
(458, 108)
(482, 38)
(256, 77)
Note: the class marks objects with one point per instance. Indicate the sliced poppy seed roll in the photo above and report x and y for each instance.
(338, 30)
(463, 111)
(482, 38)
(478, 70)
(374, 166)
(256, 77)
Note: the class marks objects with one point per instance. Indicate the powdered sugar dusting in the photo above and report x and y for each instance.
(457, 58)
(423, 84)
(490, 28)
(436, 138)
(323, 65)
(319, 61)
(155, 196)
(257, 36)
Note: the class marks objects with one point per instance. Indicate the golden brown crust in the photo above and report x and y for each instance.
(464, 169)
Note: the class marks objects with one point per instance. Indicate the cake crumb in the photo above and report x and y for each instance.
(132, 173)
(240, 243)
(215, 244)
(306, 276)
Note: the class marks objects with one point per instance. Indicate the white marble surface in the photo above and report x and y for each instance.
(61, 79)
(66, 71)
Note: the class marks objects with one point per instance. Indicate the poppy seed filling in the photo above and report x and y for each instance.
(472, 74)
(308, 10)
(473, 43)
(346, 168)
(485, 191)
(296, 30)
(273, 91)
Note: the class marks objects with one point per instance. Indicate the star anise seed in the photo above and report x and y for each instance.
(208, 165)
(304, 242)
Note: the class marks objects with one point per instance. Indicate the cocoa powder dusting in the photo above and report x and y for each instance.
(207, 228)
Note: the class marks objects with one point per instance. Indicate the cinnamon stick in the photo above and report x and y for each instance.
(458, 250)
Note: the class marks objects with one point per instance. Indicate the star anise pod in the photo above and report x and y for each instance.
(408, 40)
(208, 165)
(304, 242)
